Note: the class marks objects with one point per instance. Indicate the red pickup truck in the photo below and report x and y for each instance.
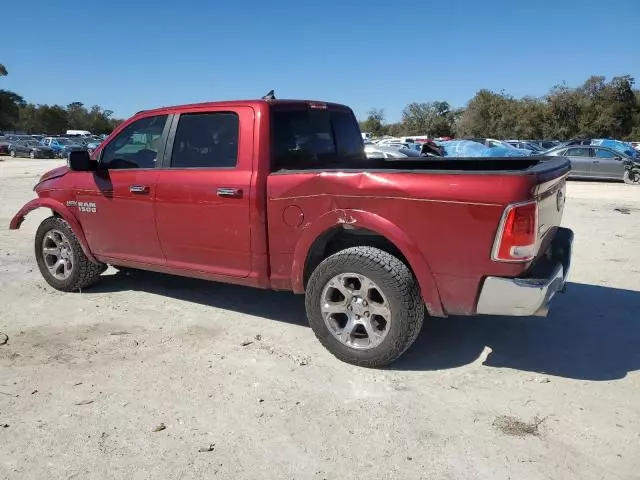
(278, 194)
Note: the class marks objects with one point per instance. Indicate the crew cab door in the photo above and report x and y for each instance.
(115, 203)
(203, 195)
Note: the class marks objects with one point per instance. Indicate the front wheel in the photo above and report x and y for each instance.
(364, 306)
(632, 177)
(60, 258)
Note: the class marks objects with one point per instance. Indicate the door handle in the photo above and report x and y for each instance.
(139, 189)
(596, 161)
(230, 192)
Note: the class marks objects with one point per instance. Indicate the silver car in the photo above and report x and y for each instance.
(592, 161)
(395, 152)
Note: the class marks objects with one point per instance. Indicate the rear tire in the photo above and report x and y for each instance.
(364, 306)
(60, 258)
(635, 180)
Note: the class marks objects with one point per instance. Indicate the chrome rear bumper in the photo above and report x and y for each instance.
(530, 296)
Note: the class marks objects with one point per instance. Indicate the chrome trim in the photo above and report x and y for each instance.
(525, 296)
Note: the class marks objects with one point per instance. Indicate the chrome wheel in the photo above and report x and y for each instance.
(356, 311)
(58, 254)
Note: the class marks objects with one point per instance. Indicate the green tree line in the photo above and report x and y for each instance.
(596, 109)
(18, 115)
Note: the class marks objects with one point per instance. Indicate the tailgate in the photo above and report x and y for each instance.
(550, 194)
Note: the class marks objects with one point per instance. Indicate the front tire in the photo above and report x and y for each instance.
(631, 179)
(60, 258)
(364, 306)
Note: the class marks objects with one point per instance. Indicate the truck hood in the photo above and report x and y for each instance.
(55, 173)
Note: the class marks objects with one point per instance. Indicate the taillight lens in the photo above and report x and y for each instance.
(517, 235)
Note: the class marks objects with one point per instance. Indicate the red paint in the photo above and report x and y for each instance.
(444, 224)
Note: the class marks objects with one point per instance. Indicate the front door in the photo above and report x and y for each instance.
(115, 204)
(580, 161)
(607, 164)
(203, 195)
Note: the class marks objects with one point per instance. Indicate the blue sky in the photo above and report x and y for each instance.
(128, 57)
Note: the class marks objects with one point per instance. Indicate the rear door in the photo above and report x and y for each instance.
(203, 192)
(607, 164)
(580, 158)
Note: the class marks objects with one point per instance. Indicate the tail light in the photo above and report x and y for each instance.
(518, 233)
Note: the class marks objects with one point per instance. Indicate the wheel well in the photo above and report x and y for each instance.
(340, 238)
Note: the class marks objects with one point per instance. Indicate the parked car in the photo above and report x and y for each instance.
(4, 146)
(593, 162)
(636, 146)
(525, 145)
(62, 146)
(548, 144)
(493, 143)
(390, 151)
(92, 143)
(278, 194)
(30, 148)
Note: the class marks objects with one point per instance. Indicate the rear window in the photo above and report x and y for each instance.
(309, 139)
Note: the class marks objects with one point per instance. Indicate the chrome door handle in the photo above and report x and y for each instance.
(139, 189)
(230, 192)
(596, 161)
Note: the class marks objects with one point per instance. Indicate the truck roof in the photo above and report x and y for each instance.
(237, 103)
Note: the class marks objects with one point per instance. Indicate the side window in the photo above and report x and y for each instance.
(602, 153)
(348, 138)
(206, 140)
(314, 138)
(136, 146)
(577, 152)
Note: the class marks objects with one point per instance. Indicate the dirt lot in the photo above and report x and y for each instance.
(86, 379)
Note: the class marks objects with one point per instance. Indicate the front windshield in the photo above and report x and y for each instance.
(64, 141)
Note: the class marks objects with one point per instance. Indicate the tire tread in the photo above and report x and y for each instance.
(406, 292)
(86, 272)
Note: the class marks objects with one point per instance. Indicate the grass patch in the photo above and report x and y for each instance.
(515, 427)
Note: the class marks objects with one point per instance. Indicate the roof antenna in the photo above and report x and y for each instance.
(270, 96)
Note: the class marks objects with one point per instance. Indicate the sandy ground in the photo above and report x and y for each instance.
(86, 378)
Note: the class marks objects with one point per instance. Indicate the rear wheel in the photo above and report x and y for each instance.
(364, 306)
(60, 258)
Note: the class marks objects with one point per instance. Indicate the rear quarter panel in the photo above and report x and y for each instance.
(451, 219)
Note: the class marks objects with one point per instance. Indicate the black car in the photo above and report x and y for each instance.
(30, 148)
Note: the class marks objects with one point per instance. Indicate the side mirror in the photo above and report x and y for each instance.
(80, 161)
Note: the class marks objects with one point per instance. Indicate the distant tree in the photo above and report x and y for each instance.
(10, 104)
(430, 118)
(374, 123)
(3, 71)
(77, 116)
(53, 119)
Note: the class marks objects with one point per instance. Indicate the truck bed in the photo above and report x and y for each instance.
(449, 165)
